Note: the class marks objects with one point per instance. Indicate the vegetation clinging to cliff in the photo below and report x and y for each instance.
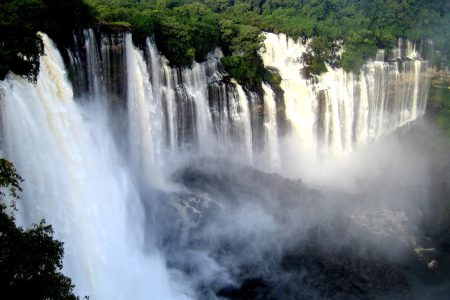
(20, 20)
(30, 260)
(186, 30)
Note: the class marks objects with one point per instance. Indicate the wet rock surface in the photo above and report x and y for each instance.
(313, 248)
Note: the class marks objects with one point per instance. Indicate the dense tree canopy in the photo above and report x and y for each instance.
(20, 22)
(30, 260)
(186, 30)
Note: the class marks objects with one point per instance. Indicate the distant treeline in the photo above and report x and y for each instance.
(186, 30)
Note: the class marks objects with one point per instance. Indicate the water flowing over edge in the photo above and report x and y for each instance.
(91, 176)
(200, 110)
(336, 112)
(76, 180)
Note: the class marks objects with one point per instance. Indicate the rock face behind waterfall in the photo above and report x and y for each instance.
(201, 109)
(172, 183)
(304, 243)
(96, 63)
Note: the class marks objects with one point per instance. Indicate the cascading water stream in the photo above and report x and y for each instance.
(87, 180)
(173, 111)
(271, 130)
(145, 118)
(337, 111)
(75, 179)
(94, 72)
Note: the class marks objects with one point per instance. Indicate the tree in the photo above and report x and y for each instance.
(10, 180)
(20, 45)
(20, 20)
(30, 260)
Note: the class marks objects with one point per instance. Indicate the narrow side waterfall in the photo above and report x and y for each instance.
(76, 180)
(337, 111)
(144, 115)
(271, 129)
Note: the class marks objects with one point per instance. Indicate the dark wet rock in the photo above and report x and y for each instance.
(253, 288)
(325, 245)
(345, 274)
(445, 243)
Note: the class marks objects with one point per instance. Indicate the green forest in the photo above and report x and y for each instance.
(186, 30)
(30, 259)
(20, 20)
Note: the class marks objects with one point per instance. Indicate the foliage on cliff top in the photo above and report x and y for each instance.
(20, 20)
(362, 26)
(186, 29)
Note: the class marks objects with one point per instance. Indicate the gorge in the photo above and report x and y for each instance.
(180, 183)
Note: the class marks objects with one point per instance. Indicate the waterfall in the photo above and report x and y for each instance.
(75, 179)
(337, 111)
(173, 111)
(145, 128)
(94, 72)
(95, 152)
(240, 118)
(271, 129)
(198, 110)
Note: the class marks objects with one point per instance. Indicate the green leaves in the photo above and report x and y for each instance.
(10, 180)
(20, 44)
(20, 20)
(247, 70)
(320, 51)
(241, 45)
(189, 29)
(186, 33)
(30, 260)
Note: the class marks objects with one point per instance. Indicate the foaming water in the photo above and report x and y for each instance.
(75, 179)
(174, 111)
(140, 123)
(271, 128)
(337, 111)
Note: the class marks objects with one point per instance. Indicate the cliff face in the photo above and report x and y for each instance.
(146, 171)
(201, 108)
(333, 113)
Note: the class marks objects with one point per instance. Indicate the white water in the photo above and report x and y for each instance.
(94, 74)
(339, 111)
(75, 179)
(172, 111)
(144, 115)
(271, 129)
